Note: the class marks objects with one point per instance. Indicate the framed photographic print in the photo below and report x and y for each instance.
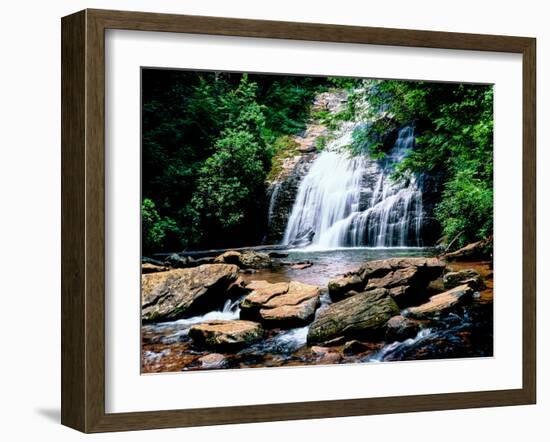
(267, 221)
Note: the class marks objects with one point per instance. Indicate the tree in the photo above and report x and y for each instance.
(156, 229)
(208, 142)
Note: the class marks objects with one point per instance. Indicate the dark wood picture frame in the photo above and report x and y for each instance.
(83, 220)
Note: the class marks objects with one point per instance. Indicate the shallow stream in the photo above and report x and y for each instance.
(167, 346)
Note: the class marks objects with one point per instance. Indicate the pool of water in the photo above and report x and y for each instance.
(327, 264)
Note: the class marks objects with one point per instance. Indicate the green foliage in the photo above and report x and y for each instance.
(287, 102)
(208, 140)
(344, 82)
(156, 229)
(321, 143)
(283, 147)
(332, 121)
(228, 183)
(323, 116)
(454, 126)
(466, 209)
(367, 139)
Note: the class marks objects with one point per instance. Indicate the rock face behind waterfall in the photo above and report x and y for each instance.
(282, 194)
(333, 199)
(354, 201)
(283, 190)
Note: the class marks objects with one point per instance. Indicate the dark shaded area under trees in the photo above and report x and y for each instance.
(208, 140)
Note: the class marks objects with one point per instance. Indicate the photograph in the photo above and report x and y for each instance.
(300, 220)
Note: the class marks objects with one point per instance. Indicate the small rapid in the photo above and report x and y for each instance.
(174, 331)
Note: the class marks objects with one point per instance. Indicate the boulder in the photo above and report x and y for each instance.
(436, 286)
(255, 260)
(400, 291)
(290, 315)
(282, 304)
(153, 268)
(406, 278)
(409, 276)
(467, 276)
(339, 287)
(320, 351)
(245, 260)
(406, 285)
(442, 303)
(213, 361)
(257, 284)
(237, 289)
(181, 293)
(360, 316)
(431, 268)
(222, 334)
(330, 358)
(177, 261)
(229, 257)
(262, 292)
(400, 328)
(354, 347)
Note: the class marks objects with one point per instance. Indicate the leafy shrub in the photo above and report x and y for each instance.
(155, 228)
(466, 208)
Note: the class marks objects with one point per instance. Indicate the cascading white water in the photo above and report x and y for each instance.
(347, 201)
(272, 200)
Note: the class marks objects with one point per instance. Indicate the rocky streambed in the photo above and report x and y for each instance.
(253, 309)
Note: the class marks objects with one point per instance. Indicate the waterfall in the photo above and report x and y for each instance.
(272, 201)
(351, 201)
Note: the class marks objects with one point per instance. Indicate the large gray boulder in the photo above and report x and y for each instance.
(181, 293)
(360, 316)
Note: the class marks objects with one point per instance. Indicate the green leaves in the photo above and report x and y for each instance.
(454, 127)
(155, 227)
(208, 143)
(467, 207)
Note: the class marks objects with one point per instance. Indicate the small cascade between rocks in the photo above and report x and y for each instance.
(351, 201)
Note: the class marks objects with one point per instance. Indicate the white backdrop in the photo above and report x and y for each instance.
(30, 231)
